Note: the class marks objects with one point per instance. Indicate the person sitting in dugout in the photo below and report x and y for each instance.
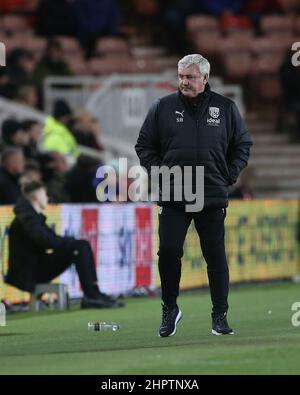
(38, 255)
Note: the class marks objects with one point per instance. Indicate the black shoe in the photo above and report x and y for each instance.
(101, 301)
(107, 297)
(170, 318)
(220, 325)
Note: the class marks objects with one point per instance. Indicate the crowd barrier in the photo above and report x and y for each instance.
(261, 244)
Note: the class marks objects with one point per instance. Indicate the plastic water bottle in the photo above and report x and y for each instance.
(2, 314)
(103, 326)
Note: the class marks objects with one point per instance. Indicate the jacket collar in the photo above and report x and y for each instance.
(206, 92)
(15, 178)
(203, 96)
(23, 205)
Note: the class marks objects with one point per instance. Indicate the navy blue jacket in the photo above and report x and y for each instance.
(29, 238)
(214, 136)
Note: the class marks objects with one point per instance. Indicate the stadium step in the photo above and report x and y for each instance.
(278, 171)
(277, 194)
(145, 51)
(283, 149)
(270, 138)
(274, 160)
(268, 161)
(258, 127)
(280, 183)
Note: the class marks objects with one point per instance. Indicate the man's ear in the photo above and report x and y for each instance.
(205, 80)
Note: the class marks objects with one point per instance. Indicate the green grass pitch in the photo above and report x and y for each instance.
(265, 342)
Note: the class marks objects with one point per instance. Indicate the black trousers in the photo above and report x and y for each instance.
(76, 252)
(209, 223)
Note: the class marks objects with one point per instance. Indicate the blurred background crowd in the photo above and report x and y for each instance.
(247, 42)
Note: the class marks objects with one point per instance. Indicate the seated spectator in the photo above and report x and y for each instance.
(38, 255)
(53, 167)
(4, 82)
(12, 167)
(34, 132)
(57, 134)
(173, 15)
(13, 134)
(87, 131)
(21, 65)
(7, 88)
(80, 184)
(55, 177)
(55, 17)
(32, 173)
(27, 95)
(95, 18)
(52, 63)
(50, 167)
(150, 13)
(115, 188)
(219, 7)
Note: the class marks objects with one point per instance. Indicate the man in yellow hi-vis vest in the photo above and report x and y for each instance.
(57, 135)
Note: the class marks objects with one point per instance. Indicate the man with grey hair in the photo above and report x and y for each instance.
(194, 127)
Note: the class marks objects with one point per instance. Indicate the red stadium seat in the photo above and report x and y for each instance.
(204, 34)
(77, 65)
(200, 23)
(237, 25)
(267, 86)
(268, 47)
(277, 25)
(13, 24)
(146, 66)
(236, 56)
(112, 46)
(268, 55)
(70, 46)
(265, 76)
(297, 25)
(207, 43)
(109, 65)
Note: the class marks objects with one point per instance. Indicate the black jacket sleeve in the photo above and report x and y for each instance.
(37, 231)
(239, 145)
(147, 146)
